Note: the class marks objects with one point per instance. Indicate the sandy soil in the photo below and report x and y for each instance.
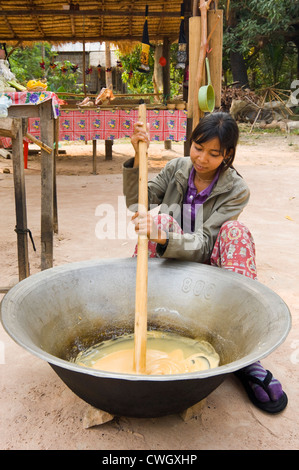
(39, 412)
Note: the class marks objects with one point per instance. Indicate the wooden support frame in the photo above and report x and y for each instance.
(12, 127)
(49, 221)
(20, 203)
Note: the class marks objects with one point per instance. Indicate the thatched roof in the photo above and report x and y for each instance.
(102, 20)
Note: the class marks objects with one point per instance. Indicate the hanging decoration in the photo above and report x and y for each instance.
(162, 61)
(182, 50)
(99, 69)
(42, 65)
(88, 71)
(145, 46)
(74, 68)
(52, 65)
(119, 64)
(63, 69)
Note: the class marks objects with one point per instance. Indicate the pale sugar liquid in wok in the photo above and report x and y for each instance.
(167, 353)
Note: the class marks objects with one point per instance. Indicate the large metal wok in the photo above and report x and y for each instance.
(59, 310)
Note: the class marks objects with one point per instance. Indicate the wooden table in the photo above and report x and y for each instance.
(45, 111)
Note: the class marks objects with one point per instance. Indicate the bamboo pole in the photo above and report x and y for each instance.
(120, 95)
(140, 331)
(203, 6)
(194, 45)
(38, 142)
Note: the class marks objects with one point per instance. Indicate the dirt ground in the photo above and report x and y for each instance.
(39, 412)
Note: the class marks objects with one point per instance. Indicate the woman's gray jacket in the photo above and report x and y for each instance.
(228, 198)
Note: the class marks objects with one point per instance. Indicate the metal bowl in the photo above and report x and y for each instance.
(59, 310)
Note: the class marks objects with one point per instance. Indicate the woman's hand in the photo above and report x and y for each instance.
(145, 225)
(139, 134)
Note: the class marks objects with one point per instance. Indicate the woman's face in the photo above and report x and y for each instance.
(206, 158)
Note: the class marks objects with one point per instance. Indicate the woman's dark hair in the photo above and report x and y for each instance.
(223, 126)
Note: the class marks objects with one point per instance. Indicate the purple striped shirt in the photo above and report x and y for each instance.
(193, 200)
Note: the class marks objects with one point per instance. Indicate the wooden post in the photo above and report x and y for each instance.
(187, 10)
(215, 25)
(108, 72)
(55, 209)
(108, 149)
(84, 68)
(166, 68)
(47, 186)
(94, 157)
(20, 201)
(158, 72)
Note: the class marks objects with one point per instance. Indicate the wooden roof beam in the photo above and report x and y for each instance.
(131, 17)
(73, 26)
(9, 25)
(38, 25)
(35, 12)
(79, 37)
(160, 25)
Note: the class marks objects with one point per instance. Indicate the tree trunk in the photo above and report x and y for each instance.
(239, 70)
(296, 41)
(237, 63)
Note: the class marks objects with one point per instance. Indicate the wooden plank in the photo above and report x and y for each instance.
(9, 127)
(24, 110)
(215, 20)
(94, 157)
(4, 290)
(47, 186)
(20, 202)
(108, 149)
(87, 13)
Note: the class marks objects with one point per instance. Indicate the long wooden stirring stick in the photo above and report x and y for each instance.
(140, 332)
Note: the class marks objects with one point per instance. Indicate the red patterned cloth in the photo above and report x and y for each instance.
(235, 249)
(96, 124)
(87, 124)
(34, 98)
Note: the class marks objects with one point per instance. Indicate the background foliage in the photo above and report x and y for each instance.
(25, 64)
(139, 82)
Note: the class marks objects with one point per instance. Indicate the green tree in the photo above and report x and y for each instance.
(39, 62)
(137, 82)
(262, 35)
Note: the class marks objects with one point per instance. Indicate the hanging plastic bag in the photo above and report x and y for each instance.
(182, 50)
(5, 102)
